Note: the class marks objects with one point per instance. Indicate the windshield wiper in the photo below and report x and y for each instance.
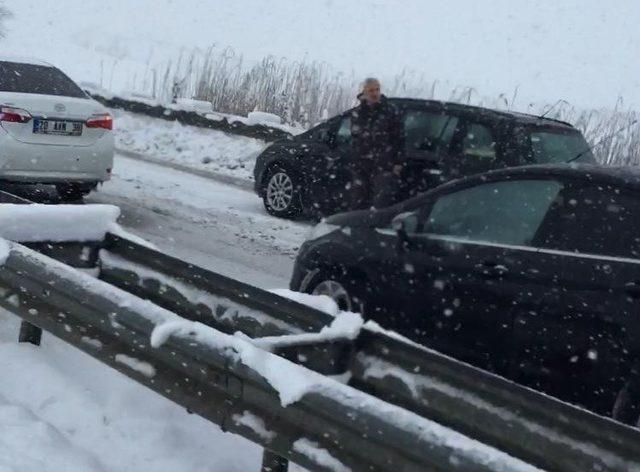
(544, 115)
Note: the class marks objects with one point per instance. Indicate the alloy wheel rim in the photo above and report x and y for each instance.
(280, 191)
(336, 292)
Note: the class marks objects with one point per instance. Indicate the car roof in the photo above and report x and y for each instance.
(615, 176)
(619, 176)
(485, 112)
(24, 60)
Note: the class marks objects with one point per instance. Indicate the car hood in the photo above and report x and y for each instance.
(362, 218)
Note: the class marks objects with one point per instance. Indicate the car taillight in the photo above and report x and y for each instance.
(14, 115)
(104, 121)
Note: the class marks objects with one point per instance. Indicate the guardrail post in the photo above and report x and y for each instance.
(30, 334)
(272, 462)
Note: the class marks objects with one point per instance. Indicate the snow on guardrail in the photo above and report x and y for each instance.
(26, 223)
(57, 223)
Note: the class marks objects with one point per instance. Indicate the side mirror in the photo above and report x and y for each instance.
(325, 137)
(405, 224)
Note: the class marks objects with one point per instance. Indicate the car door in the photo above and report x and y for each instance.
(583, 353)
(428, 134)
(327, 174)
(470, 259)
(474, 148)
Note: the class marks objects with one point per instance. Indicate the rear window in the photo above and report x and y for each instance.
(42, 80)
(549, 145)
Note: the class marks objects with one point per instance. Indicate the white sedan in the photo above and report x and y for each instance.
(51, 131)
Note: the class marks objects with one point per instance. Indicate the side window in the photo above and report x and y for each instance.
(325, 132)
(343, 134)
(428, 131)
(508, 212)
(479, 142)
(320, 133)
(594, 220)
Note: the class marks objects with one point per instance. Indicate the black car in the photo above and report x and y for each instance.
(443, 141)
(529, 272)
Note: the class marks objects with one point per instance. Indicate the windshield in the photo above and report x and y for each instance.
(42, 80)
(558, 145)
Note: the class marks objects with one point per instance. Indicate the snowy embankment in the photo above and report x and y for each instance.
(193, 147)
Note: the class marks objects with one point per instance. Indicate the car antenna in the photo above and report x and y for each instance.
(606, 138)
(552, 107)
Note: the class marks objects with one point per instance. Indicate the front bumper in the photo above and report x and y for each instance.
(258, 176)
(303, 270)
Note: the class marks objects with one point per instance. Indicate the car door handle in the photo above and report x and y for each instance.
(632, 289)
(491, 270)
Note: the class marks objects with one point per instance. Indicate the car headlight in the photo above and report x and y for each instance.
(321, 229)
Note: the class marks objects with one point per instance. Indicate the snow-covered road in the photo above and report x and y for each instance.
(214, 225)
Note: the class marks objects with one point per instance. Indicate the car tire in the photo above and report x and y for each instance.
(281, 193)
(346, 288)
(73, 192)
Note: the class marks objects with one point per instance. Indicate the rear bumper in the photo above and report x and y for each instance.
(31, 177)
(37, 163)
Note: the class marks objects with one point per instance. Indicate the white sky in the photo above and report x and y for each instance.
(584, 51)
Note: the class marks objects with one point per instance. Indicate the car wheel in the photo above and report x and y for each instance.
(626, 408)
(71, 192)
(345, 289)
(281, 194)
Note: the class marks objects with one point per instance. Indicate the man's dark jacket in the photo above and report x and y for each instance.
(377, 134)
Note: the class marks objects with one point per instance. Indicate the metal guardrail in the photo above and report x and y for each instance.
(192, 118)
(526, 424)
(344, 429)
(81, 255)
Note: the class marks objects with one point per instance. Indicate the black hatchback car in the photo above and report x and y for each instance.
(530, 272)
(443, 141)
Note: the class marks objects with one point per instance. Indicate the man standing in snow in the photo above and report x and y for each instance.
(377, 158)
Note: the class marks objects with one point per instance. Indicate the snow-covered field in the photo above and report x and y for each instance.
(198, 148)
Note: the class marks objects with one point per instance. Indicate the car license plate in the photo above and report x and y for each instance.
(63, 128)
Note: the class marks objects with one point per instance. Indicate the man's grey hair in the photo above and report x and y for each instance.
(370, 81)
